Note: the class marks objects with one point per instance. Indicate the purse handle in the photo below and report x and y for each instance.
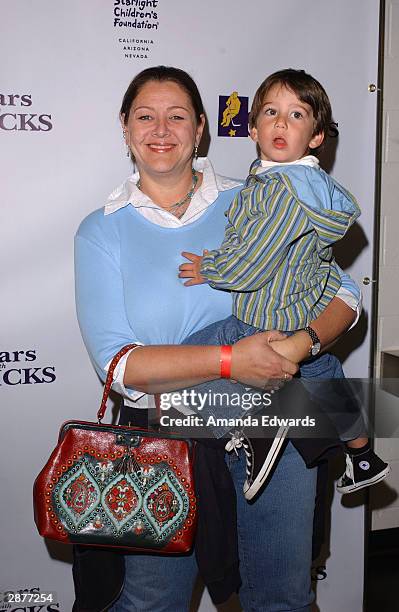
(109, 380)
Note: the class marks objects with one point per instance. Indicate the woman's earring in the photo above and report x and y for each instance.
(127, 146)
(196, 151)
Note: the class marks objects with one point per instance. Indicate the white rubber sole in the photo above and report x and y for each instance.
(251, 491)
(364, 483)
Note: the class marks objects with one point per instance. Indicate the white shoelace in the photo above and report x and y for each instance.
(236, 442)
(349, 468)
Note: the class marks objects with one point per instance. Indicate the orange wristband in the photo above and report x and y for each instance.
(225, 361)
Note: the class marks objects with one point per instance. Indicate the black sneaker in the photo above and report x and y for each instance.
(261, 454)
(362, 470)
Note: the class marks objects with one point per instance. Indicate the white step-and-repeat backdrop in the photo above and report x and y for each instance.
(64, 68)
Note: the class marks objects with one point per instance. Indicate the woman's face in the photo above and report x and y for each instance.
(162, 129)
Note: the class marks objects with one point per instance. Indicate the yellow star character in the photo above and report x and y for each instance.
(232, 132)
(233, 105)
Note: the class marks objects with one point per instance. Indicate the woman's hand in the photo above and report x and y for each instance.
(254, 362)
(158, 369)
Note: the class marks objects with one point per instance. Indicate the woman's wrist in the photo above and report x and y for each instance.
(225, 360)
(163, 368)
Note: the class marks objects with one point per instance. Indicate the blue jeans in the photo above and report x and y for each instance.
(322, 377)
(275, 548)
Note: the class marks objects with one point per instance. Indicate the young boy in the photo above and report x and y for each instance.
(276, 256)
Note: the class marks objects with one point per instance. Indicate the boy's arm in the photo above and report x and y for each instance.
(350, 293)
(261, 231)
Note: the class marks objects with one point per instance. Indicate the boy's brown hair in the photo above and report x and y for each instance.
(308, 90)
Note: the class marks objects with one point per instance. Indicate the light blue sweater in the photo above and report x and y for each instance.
(127, 288)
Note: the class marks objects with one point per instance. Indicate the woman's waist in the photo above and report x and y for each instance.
(164, 320)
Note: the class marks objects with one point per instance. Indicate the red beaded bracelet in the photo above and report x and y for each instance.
(225, 361)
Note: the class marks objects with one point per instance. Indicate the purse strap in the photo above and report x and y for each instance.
(109, 380)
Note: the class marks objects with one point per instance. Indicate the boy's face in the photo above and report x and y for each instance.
(284, 127)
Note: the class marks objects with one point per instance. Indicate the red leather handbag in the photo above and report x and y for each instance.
(117, 486)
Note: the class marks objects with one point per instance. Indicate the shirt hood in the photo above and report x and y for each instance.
(330, 208)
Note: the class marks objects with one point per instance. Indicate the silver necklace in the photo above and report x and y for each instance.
(187, 198)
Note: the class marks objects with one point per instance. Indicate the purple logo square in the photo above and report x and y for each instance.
(233, 116)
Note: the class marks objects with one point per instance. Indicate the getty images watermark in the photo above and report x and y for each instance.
(189, 398)
(229, 410)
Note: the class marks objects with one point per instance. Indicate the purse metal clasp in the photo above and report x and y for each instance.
(127, 463)
(127, 439)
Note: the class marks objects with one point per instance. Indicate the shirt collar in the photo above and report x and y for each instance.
(128, 193)
(307, 160)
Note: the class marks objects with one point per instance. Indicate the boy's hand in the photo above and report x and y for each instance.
(192, 270)
(285, 348)
(295, 347)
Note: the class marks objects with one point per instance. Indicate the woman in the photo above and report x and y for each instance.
(127, 258)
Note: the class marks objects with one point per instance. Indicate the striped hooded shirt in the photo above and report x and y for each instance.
(276, 257)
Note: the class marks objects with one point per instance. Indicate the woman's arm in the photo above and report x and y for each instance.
(157, 369)
(151, 369)
(329, 326)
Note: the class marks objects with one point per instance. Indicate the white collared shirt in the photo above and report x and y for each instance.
(306, 160)
(128, 194)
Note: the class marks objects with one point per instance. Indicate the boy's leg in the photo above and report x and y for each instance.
(225, 331)
(325, 380)
(261, 452)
